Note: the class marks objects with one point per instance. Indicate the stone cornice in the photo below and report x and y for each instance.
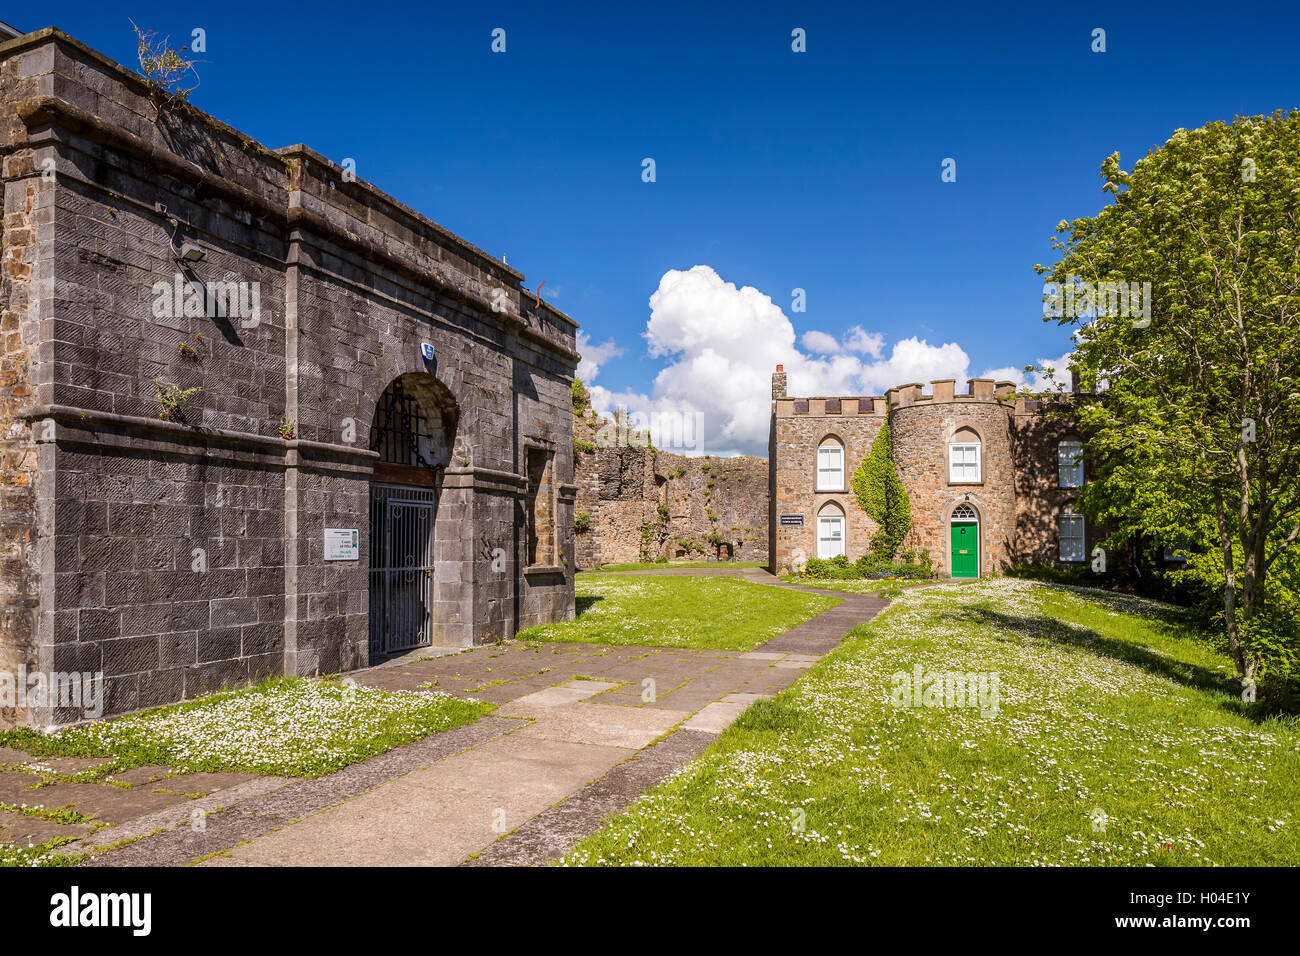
(88, 419)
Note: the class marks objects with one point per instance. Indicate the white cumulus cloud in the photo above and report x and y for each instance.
(722, 343)
(1036, 381)
(594, 356)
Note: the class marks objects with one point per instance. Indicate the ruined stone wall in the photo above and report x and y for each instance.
(622, 488)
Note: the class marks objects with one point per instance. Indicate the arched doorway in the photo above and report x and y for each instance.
(413, 430)
(964, 542)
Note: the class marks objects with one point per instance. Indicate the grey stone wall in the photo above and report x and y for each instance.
(109, 511)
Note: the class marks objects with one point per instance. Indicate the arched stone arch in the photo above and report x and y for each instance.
(414, 431)
(414, 423)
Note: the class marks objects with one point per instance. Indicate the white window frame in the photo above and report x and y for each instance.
(964, 478)
(1073, 521)
(824, 475)
(828, 546)
(1069, 475)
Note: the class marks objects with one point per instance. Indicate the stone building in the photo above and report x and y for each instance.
(258, 417)
(993, 479)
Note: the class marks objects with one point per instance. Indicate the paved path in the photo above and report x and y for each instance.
(580, 731)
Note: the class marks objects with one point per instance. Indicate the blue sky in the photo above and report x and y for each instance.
(777, 170)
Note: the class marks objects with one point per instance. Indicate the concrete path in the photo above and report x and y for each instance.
(580, 731)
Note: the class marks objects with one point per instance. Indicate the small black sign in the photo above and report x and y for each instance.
(792, 520)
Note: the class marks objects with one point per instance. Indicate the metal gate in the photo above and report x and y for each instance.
(401, 568)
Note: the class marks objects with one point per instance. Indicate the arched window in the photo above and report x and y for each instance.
(964, 512)
(1069, 456)
(964, 458)
(830, 466)
(830, 532)
(1070, 531)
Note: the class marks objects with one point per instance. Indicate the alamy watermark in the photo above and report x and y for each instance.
(947, 689)
(669, 430)
(81, 690)
(1077, 299)
(232, 300)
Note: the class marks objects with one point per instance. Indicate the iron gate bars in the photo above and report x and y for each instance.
(401, 568)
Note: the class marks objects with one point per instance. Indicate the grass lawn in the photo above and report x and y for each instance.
(286, 726)
(661, 565)
(668, 611)
(1113, 739)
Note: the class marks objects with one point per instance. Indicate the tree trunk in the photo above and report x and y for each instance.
(1230, 590)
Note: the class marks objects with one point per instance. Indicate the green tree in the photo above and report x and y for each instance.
(882, 496)
(1194, 432)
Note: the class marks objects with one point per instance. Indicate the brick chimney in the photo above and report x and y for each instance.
(778, 382)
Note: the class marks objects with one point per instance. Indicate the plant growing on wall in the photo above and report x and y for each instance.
(164, 68)
(170, 398)
(882, 496)
(581, 397)
(581, 522)
(286, 427)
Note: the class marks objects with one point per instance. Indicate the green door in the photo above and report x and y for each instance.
(965, 549)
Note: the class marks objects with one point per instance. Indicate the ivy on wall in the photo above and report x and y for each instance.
(882, 496)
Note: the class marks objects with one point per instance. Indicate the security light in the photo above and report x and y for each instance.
(190, 252)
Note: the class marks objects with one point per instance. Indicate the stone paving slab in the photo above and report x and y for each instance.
(111, 804)
(10, 756)
(200, 783)
(555, 831)
(285, 802)
(22, 830)
(439, 815)
(139, 776)
(13, 787)
(717, 716)
(562, 694)
(601, 724)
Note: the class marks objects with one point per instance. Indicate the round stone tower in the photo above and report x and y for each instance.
(954, 456)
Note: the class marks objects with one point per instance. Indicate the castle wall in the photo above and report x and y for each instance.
(622, 487)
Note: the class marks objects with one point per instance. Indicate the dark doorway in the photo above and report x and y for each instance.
(413, 428)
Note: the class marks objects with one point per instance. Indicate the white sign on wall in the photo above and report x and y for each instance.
(342, 544)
